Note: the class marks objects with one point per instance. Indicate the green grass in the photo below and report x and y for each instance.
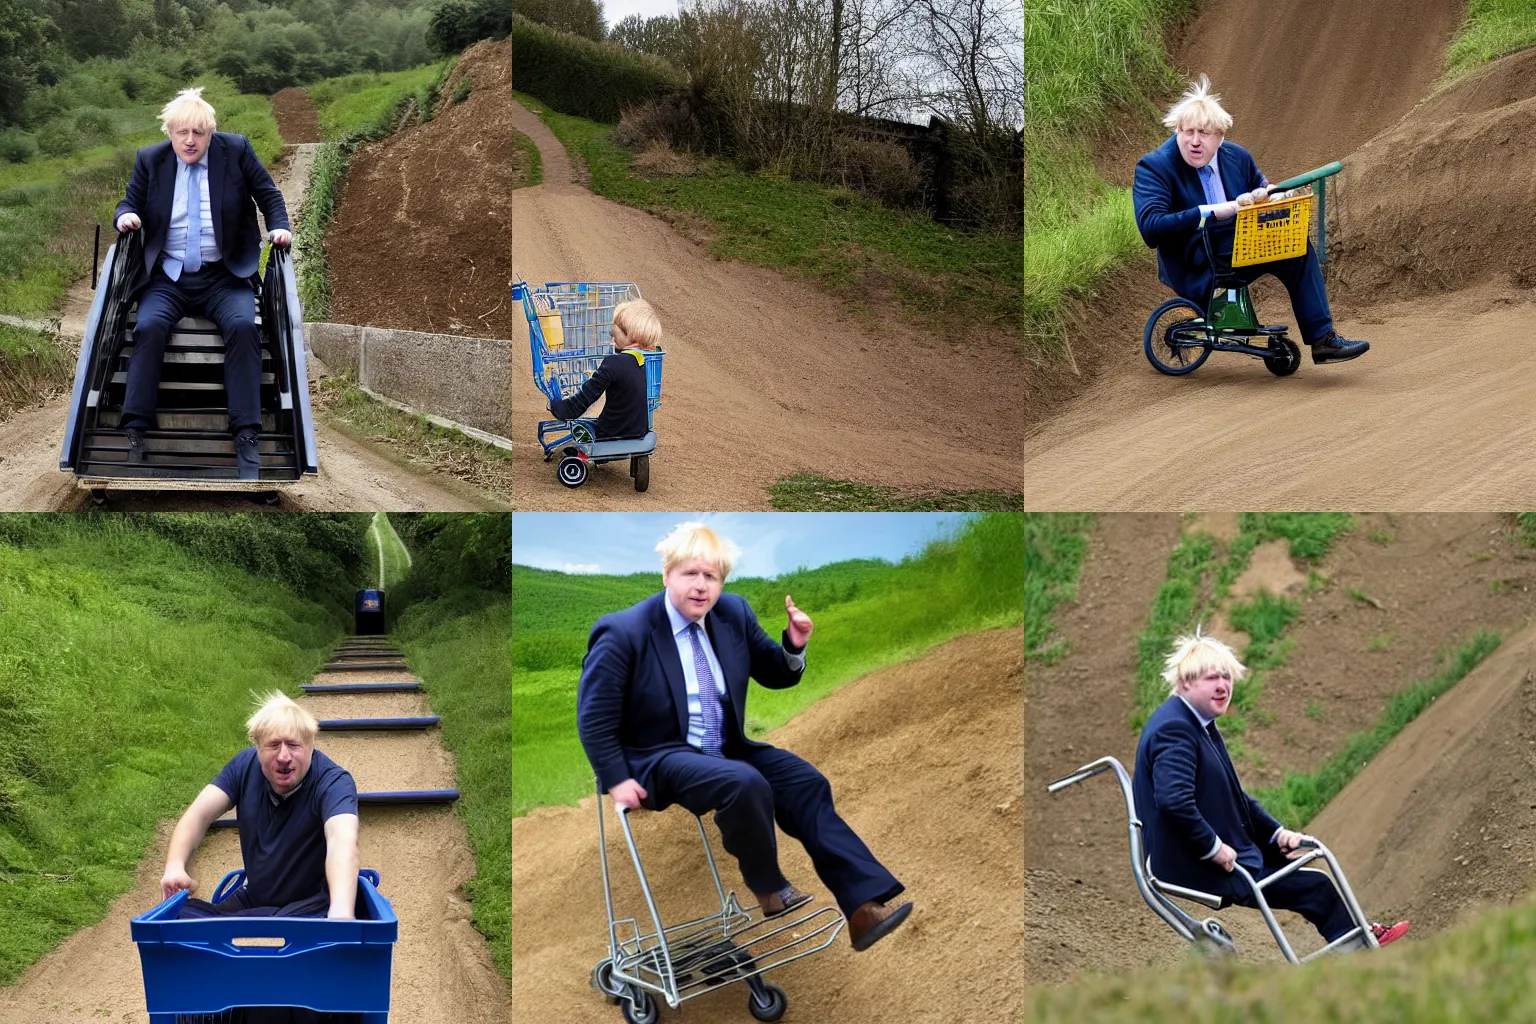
(1478, 972)
(1055, 544)
(128, 668)
(1492, 29)
(849, 245)
(361, 103)
(1300, 797)
(458, 645)
(18, 344)
(1525, 529)
(868, 614)
(535, 162)
(392, 561)
(1264, 617)
(809, 492)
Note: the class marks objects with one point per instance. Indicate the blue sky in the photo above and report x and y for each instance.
(771, 542)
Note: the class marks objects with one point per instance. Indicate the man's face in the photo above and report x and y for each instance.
(284, 761)
(190, 143)
(1197, 146)
(1211, 694)
(693, 587)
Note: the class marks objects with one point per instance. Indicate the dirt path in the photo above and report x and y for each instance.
(1433, 417)
(442, 970)
(765, 374)
(924, 760)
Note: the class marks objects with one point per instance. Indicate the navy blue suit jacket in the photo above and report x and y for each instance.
(632, 704)
(1187, 796)
(1167, 195)
(237, 184)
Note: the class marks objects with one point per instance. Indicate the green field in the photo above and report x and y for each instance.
(868, 613)
(364, 103)
(128, 668)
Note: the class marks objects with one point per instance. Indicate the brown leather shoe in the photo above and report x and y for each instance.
(786, 899)
(873, 922)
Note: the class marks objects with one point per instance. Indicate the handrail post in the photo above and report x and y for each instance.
(1322, 220)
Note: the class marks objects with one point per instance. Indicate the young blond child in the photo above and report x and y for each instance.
(636, 330)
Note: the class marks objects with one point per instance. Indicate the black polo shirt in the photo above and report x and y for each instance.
(282, 841)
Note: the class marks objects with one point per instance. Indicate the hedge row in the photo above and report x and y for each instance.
(577, 76)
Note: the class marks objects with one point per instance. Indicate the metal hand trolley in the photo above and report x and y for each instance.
(204, 970)
(1209, 936)
(568, 332)
(1272, 230)
(681, 961)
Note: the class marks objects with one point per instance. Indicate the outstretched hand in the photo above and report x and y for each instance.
(800, 624)
(176, 880)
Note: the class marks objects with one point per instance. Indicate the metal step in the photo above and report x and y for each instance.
(121, 377)
(364, 666)
(385, 798)
(198, 418)
(333, 724)
(360, 687)
(188, 354)
(186, 323)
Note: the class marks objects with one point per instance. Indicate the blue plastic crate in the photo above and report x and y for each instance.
(652, 384)
(210, 965)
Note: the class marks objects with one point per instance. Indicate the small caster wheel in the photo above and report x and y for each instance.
(640, 469)
(639, 1007)
(572, 471)
(602, 980)
(98, 496)
(269, 498)
(770, 1005)
(1285, 358)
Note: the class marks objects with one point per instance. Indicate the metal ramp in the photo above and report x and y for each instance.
(192, 448)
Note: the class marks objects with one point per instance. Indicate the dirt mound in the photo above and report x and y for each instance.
(1441, 201)
(422, 239)
(296, 117)
(1309, 81)
(1438, 579)
(924, 758)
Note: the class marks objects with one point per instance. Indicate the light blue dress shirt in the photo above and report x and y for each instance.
(680, 624)
(176, 235)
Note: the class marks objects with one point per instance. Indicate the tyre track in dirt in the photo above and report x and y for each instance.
(765, 375)
(442, 971)
(924, 760)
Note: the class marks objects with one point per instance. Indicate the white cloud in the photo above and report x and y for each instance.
(582, 568)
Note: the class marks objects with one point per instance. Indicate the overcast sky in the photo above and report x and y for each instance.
(771, 542)
(615, 11)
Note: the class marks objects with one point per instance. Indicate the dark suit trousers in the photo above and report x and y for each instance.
(753, 787)
(1310, 894)
(223, 298)
(1301, 275)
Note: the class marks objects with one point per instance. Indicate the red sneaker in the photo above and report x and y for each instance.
(1385, 935)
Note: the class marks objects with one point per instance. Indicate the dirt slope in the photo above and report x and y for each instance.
(765, 375)
(421, 239)
(442, 972)
(1455, 784)
(296, 118)
(924, 759)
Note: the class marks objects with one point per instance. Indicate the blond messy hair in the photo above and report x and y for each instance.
(639, 322)
(695, 540)
(1200, 109)
(188, 109)
(277, 712)
(1194, 656)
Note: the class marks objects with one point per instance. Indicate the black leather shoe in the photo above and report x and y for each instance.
(1334, 349)
(135, 444)
(248, 454)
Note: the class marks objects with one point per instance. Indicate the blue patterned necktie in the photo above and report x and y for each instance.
(192, 259)
(709, 697)
(1214, 193)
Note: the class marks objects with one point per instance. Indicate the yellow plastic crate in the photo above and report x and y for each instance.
(1275, 230)
(549, 321)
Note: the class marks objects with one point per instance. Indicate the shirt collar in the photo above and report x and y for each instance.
(1205, 723)
(678, 620)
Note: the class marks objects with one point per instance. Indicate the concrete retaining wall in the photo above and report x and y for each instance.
(467, 380)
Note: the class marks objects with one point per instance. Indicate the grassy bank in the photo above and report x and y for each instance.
(129, 662)
(868, 614)
(393, 561)
(1055, 544)
(527, 164)
(862, 252)
(1492, 29)
(1479, 972)
(50, 204)
(808, 492)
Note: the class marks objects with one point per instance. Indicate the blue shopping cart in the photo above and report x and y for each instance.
(205, 970)
(568, 325)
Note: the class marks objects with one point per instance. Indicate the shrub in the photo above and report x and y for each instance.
(461, 91)
(58, 138)
(16, 146)
(95, 126)
(460, 23)
(881, 170)
(577, 76)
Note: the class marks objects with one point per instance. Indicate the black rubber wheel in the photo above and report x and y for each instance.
(1286, 359)
(1173, 342)
(269, 498)
(602, 980)
(98, 496)
(572, 471)
(639, 1007)
(640, 469)
(774, 1008)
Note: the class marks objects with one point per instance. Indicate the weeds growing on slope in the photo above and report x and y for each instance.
(1492, 29)
(1055, 544)
(810, 492)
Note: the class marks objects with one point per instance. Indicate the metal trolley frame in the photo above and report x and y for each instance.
(1208, 935)
(682, 961)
